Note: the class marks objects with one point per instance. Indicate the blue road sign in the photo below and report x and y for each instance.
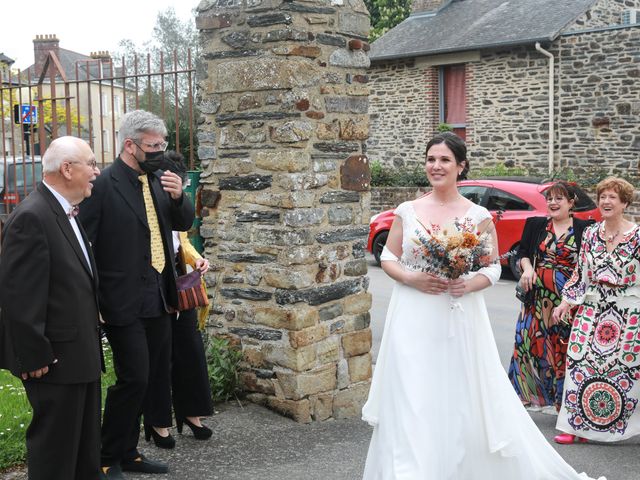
(28, 114)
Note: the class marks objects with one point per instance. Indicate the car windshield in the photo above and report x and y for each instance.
(22, 174)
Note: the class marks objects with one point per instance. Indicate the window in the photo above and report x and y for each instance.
(503, 201)
(474, 193)
(453, 98)
(116, 105)
(105, 140)
(105, 104)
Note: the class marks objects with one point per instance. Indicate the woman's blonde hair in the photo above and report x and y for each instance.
(623, 188)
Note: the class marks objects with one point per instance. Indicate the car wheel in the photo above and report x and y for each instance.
(378, 245)
(514, 264)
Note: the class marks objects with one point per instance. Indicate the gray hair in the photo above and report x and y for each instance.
(61, 149)
(138, 122)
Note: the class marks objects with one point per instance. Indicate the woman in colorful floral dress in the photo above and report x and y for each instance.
(548, 253)
(602, 383)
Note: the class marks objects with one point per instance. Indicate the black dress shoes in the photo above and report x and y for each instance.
(143, 465)
(112, 473)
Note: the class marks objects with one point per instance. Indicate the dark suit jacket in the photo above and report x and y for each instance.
(535, 229)
(48, 295)
(116, 223)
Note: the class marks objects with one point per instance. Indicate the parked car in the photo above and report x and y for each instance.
(18, 177)
(516, 199)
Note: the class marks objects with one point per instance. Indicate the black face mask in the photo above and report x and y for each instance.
(153, 161)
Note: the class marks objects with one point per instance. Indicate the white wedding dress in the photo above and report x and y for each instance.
(440, 401)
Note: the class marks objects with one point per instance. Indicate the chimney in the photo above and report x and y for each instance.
(102, 55)
(42, 45)
(418, 6)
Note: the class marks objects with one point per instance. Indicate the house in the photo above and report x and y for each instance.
(540, 84)
(5, 67)
(84, 87)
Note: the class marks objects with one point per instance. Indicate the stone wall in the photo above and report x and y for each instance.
(427, 5)
(603, 14)
(404, 110)
(597, 91)
(283, 98)
(385, 198)
(599, 121)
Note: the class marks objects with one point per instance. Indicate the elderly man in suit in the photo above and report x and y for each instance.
(49, 327)
(129, 219)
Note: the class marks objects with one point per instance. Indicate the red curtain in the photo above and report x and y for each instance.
(455, 98)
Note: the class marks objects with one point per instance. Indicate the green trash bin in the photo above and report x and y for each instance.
(193, 182)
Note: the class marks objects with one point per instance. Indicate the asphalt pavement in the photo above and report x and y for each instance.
(253, 443)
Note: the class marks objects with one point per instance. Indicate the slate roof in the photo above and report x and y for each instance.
(68, 59)
(464, 25)
(6, 60)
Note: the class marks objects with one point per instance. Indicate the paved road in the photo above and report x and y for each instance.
(252, 443)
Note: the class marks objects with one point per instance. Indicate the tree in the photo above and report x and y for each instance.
(173, 40)
(386, 14)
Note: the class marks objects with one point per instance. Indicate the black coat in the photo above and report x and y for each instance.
(48, 295)
(116, 223)
(535, 230)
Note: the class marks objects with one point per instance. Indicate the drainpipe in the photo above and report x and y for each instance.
(551, 103)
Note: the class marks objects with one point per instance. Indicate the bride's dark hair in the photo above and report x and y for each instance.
(457, 147)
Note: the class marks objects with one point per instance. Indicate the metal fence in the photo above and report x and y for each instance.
(86, 99)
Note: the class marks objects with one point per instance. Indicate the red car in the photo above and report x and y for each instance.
(516, 198)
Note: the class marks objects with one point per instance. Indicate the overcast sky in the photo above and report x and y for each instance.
(80, 25)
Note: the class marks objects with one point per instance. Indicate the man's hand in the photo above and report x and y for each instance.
(39, 373)
(172, 184)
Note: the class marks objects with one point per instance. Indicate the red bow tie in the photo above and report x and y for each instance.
(73, 211)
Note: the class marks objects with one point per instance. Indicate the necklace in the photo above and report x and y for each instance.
(610, 237)
(442, 203)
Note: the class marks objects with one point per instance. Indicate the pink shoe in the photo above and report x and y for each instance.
(568, 439)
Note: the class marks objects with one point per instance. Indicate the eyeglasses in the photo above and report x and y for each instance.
(91, 163)
(155, 147)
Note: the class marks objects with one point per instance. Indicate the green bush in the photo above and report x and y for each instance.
(383, 176)
(223, 360)
(498, 171)
(589, 179)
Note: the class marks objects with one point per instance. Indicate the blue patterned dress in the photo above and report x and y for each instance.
(602, 383)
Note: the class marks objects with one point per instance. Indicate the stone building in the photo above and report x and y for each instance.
(495, 70)
(283, 98)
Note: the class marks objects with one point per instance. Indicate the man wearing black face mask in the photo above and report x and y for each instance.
(133, 209)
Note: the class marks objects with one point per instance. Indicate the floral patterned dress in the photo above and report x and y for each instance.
(602, 383)
(538, 362)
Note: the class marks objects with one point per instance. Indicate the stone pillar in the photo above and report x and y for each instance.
(283, 98)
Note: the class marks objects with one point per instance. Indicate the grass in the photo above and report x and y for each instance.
(15, 413)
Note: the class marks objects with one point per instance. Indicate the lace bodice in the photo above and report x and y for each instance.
(410, 224)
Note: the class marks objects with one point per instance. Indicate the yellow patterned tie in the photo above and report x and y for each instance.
(157, 252)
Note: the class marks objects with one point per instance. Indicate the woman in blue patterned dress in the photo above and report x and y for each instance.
(602, 383)
(547, 254)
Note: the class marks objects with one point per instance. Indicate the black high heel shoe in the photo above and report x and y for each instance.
(167, 442)
(200, 433)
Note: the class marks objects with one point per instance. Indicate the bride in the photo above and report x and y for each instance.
(440, 401)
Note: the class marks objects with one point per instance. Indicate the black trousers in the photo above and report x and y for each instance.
(142, 363)
(63, 439)
(189, 377)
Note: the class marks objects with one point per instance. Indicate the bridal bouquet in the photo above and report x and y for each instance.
(452, 251)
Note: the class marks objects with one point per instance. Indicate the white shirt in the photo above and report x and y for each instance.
(66, 207)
